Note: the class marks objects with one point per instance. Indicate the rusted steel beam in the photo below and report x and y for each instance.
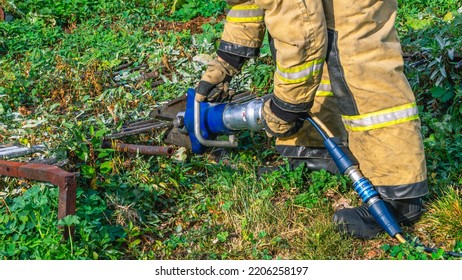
(142, 149)
(66, 181)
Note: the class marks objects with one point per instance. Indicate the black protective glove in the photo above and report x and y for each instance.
(214, 84)
(280, 123)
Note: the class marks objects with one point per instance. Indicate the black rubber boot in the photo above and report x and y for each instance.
(270, 169)
(359, 223)
(316, 164)
(313, 159)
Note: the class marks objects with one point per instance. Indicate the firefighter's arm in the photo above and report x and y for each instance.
(299, 37)
(242, 38)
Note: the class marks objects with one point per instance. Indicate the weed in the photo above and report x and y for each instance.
(194, 8)
(443, 217)
(30, 228)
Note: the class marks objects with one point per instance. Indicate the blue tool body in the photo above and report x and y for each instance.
(211, 121)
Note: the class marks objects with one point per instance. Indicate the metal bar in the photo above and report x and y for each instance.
(146, 126)
(141, 123)
(135, 130)
(12, 151)
(66, 182)
(142, 149)
(170, 109)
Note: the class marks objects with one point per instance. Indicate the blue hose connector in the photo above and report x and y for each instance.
(366, 191)
(376, 206)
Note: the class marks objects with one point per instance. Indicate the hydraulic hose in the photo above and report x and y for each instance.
(347, 165)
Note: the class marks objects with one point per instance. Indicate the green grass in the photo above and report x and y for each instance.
(61, 85)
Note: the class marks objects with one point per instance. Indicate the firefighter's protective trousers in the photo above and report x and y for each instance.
(358, 42)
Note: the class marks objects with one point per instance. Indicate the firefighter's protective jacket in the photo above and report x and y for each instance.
(358, 42)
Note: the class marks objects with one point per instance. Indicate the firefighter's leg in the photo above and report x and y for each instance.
(306, 147)
(378, 108)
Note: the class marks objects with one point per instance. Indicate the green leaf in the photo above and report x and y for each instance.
(82, 154)
(85, 98)
(386, 247)
(106, 167)
(68, 125)
(69, 220)
(177, 4)
(104, 152)
(441, 94)
(88, 171)
(222, 236)
(395, 250)
(100, 133)
(438, 254)
(420, 249)
(419, 23)
(227, 205)
(24, 219)
(135, 242)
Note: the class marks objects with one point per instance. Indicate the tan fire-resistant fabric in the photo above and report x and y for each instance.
(299, 32)
(245, 31)
(371, 57)
(370, 52)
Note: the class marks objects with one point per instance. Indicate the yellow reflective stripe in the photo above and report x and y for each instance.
(324, 93)
(250, 19)
(301, 67)
(244, 7)
(324, 89)
(382, 118)
(245, 13)
(382, 112)
(299, 73)
(364, 128)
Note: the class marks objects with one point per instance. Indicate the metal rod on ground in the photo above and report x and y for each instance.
(136, 129)
(12, 151)
(142, 149)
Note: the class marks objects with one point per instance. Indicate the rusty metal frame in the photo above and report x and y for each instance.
(66, 181)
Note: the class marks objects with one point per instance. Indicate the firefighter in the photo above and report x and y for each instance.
(357, 43)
